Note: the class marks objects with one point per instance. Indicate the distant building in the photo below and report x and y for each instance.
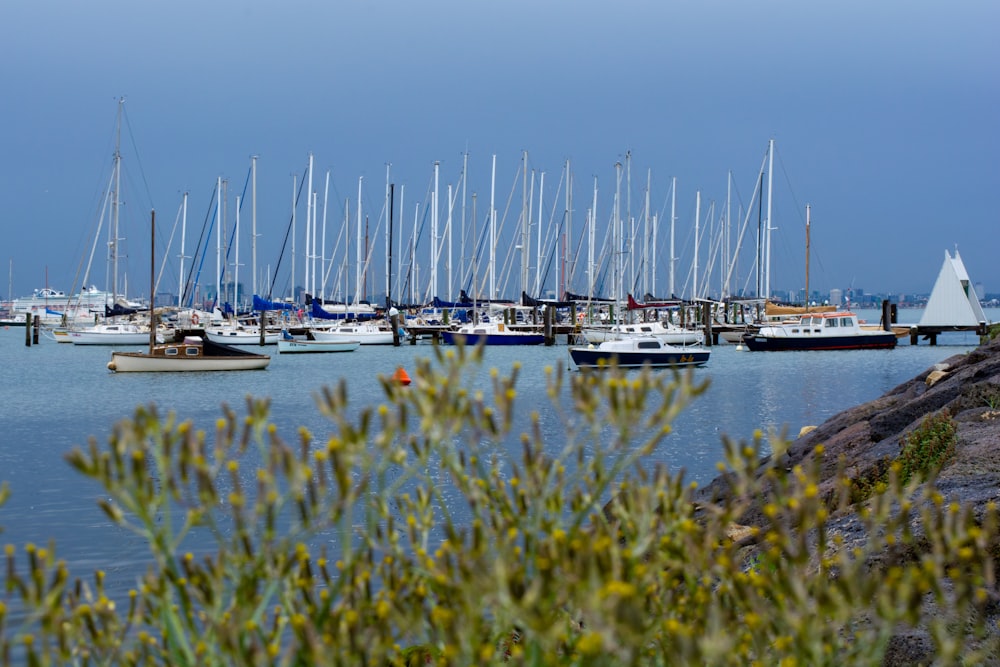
(836, 297)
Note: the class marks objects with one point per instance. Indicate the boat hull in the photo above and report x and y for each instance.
(226, 337)
(190, 355)
(595, 356)
(312, 346)
(510, 338)
(874, 341)
(102, 338)
(363, 333)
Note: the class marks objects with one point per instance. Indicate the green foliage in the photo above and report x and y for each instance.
(923, 452)
(409, 535)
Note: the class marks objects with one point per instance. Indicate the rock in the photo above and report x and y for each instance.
(968, 387)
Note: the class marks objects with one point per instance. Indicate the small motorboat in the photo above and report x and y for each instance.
(638, 351)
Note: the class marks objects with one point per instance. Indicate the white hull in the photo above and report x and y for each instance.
(671, 334)
(307, 346)
(110, 334)
(140, 362)
(241, 337)
(364, 333)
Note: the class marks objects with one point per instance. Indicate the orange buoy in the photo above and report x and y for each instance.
(401, 376)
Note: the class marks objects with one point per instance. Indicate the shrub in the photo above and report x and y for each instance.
(409, 534)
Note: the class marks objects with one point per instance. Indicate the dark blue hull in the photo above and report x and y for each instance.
(452, 338)
(758, 343)
(583, 356)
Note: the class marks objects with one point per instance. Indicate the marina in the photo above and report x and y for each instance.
(65, 395)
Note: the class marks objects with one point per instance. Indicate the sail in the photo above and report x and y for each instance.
(265, 304)
(953, 301)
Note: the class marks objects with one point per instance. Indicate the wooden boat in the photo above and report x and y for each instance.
(820, 331)
(288, 344)
(189, 353)
(192, 353)
(638, 351)
(490, 333)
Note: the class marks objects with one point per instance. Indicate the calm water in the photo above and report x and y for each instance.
(57, 395)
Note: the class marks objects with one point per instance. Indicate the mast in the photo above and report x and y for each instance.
(592, 233)
(116, 204)
(697, 218)
(218, 239)
(538, 250)
(253, 222)
(767, 245)
(152, 279)
(236, 264)
(807, 258)
(434, 231)
(180, 278)
(673, 219)
(525, 221)
(359, 247)
(493, 226)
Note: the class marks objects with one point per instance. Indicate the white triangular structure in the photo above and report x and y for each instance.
(953, 300)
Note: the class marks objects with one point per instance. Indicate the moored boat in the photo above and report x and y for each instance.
(366, 333)
(288, 344)
(490, 333)
(820, 331)
(638, 351)
(192, 353)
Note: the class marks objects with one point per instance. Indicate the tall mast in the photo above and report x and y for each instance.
(253, 222)
(591, 233)
(322, 263)
(218, 239)
(236, 264)
(294, 185)
(646, 237)
(493, 226)
(180, 278)
(673, 220)
(807, 258)
(697, 218)
(448, 228)
(358, 250)
(767, 244)
(117, 203)
(308, 255)
(538, 250)
(435, 241)
(525, 221)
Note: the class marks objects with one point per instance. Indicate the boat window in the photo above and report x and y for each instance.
(646, 329)
(832, 322)
(171, 352)
(191, 351)
(846, 322)
(648, 345)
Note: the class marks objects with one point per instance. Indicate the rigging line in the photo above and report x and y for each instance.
(284, 243)
(192, 279)
(135, 148)
(232, 236)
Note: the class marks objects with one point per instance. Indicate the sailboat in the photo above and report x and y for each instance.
(191, 353)
(111, 331)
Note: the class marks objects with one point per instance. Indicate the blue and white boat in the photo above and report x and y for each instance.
(636, 352)
(490, 333)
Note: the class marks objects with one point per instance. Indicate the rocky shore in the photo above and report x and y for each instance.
(864, 437)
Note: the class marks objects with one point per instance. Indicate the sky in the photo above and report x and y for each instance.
(883, 118)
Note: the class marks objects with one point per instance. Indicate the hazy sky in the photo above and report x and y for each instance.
(884, 116)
